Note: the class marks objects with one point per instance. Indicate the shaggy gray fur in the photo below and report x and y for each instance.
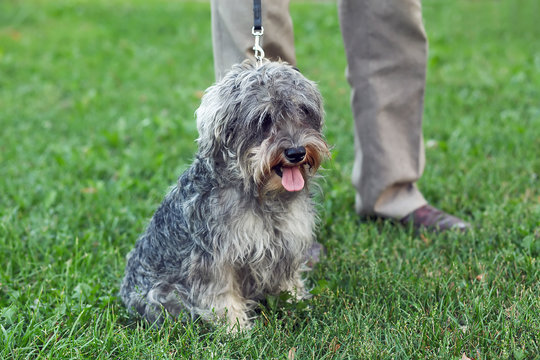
(229, 233)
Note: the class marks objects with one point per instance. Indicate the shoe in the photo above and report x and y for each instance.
(432, 219)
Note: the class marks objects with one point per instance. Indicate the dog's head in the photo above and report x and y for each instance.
(262, 125)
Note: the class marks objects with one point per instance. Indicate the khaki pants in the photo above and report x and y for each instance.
(386, 50)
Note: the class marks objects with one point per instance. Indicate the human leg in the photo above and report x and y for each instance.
(386, 48)
(232, 21)
(386, 52)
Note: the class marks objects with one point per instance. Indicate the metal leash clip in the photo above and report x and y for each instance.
(257, 48)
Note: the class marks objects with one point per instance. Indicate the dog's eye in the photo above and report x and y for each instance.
(311, 117)
(266, 123)
(307, 113)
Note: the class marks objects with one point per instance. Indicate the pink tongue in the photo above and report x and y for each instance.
(292, 179)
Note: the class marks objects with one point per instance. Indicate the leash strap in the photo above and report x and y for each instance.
(257, 15)
(257, 31)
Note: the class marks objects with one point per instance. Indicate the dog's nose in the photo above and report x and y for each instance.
(295, 154)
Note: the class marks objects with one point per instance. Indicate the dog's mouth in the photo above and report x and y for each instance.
(291, 177)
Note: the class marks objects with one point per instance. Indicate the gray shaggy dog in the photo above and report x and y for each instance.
(238, 224)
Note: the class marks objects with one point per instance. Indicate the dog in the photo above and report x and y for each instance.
(239, 222)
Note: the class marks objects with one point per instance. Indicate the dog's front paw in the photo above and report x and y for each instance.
(238, 323)
(237, 320)
(296, 288)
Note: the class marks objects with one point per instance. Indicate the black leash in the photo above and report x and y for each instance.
(257, 15)
(257, 31)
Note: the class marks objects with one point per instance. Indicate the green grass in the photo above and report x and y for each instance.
(96, 112)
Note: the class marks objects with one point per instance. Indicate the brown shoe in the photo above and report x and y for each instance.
(432, 219)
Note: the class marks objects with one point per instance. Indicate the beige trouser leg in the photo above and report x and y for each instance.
(232, 21)
(386, 53)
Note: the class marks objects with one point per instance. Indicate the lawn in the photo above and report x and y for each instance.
(97, 102)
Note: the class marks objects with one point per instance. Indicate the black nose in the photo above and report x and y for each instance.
(295, 154)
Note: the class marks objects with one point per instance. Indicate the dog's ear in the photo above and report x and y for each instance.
(214, 124)
(206, 115)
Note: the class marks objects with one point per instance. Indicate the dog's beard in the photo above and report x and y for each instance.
(272, 172)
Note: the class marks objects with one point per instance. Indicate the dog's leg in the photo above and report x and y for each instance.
(164, 296)
(226, 302)
(296, 287)
(234, 308)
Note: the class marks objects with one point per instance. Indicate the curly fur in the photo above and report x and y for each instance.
(228, 233)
